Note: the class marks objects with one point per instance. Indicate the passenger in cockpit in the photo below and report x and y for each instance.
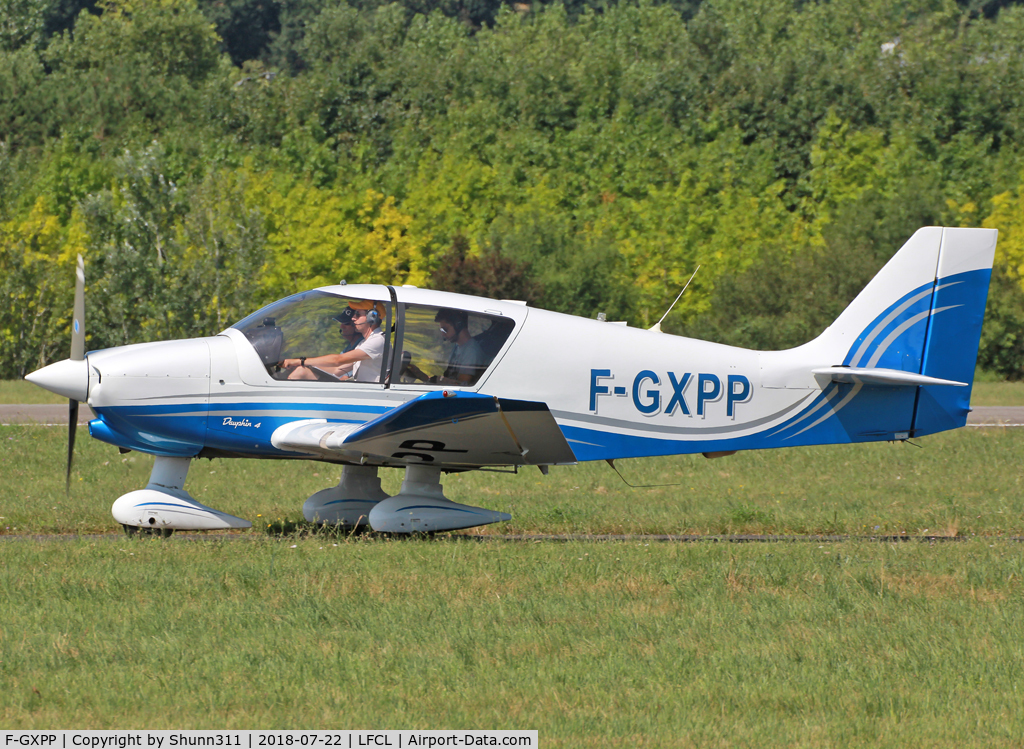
(361, 363)
(466, 361)
(347, 328)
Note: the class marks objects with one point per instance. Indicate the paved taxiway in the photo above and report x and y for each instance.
(43, 414)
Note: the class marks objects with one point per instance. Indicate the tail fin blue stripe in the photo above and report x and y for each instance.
(884, 321)
(891, 340)
(951, 351)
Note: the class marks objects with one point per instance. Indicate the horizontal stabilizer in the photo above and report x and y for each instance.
(887, 377)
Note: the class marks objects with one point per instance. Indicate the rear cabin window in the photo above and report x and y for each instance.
(446, 346)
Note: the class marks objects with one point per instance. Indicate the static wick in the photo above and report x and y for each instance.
(656, 328)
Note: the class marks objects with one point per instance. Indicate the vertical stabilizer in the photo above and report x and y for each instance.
(918, 322)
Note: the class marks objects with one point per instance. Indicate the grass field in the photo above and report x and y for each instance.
(592, 644)
(20, 391)
(959, 483)
(997, 394)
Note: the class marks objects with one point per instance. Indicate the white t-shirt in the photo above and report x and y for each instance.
(368, 370)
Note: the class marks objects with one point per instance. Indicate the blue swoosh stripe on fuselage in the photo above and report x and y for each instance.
(183, 409)
(185, 429)
(881, 413)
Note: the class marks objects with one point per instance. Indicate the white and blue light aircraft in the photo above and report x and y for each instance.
(458, 383)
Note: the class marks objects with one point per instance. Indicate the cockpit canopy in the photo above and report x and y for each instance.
(424, 344)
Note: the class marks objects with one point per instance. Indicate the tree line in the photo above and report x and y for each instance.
(206, 158)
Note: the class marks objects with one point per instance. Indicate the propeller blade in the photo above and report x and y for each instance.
(77, 354)
(78, 323)
(72, 426)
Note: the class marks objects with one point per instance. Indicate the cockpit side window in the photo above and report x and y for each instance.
(321, 337)
(453, 347)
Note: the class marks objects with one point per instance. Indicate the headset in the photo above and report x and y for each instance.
(457, 319)
(373, 317)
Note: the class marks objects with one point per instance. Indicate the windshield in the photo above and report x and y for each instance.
(320, 336)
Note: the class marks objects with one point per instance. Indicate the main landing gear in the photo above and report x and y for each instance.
(349, 503)
(419, 507)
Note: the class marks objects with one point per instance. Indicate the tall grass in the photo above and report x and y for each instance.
(593, 644)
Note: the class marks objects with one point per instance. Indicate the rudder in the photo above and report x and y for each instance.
(954, 327)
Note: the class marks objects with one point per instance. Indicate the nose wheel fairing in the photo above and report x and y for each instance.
(165, 505)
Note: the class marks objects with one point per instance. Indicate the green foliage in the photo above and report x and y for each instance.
(169, 262)
(581, 272)
(21, 23)
(68, 172)
(61, 15)
(223, 241)
(131, 231)
(246, 27)
(24, 99)
(783, 300)
(131, 69)
(36, 256)
(164, 38)
(489, 274)
(1002, 336)
(786, 148)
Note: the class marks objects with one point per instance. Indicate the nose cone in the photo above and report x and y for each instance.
(69, 378)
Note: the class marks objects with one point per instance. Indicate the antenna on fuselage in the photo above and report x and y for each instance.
(611, 462)
(656, 328)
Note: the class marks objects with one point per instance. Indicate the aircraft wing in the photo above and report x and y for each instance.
(442, 428)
